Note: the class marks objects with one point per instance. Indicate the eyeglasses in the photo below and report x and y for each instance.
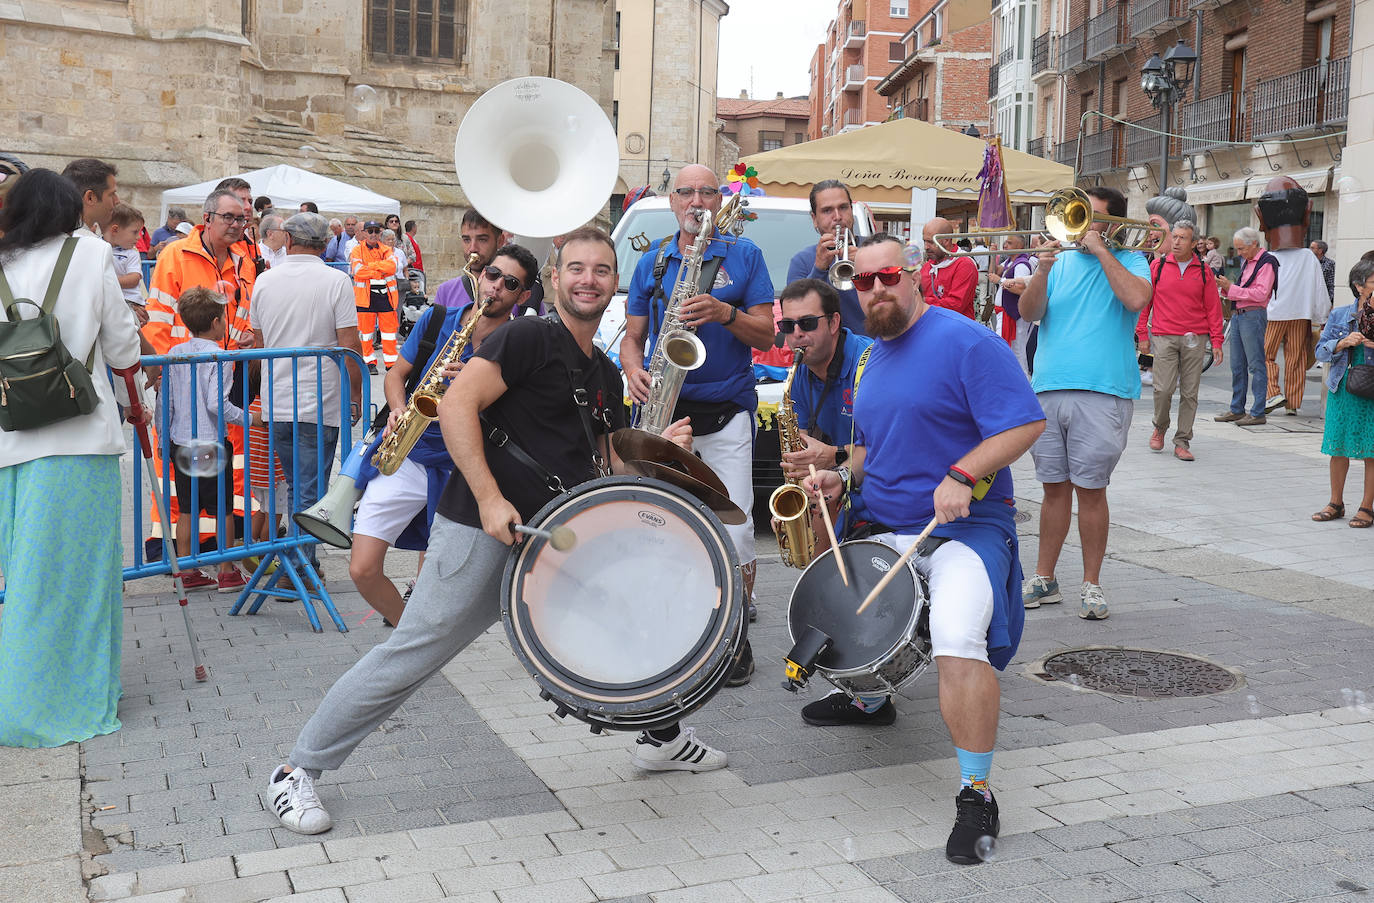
(807, 323)
(706, 193)
(495, 275)
(887, 276)
(237, 219)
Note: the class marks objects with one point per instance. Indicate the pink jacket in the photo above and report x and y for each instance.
(1181, 302)
(1258, 294)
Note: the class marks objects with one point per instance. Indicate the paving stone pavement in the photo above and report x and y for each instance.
(474, 791)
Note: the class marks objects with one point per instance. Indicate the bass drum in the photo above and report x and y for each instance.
(879, 651)
(635, 626)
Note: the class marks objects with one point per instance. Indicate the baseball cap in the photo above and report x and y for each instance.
(307, 227)
(184, 228)
(372, 224)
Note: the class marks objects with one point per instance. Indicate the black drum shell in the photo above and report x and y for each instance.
(671, 695)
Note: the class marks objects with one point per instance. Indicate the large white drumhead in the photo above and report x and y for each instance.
(630, 600)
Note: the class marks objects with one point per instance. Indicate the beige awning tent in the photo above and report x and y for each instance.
(882, 164)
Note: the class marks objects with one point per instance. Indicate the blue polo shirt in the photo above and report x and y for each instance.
(803, 266)
(1086, 336)
(743, 282)
(835, 419)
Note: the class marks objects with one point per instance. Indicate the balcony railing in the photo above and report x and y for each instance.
(1152, 17)
(1043, 56)
(1212, 121)
(1200, 5)
(853, 118)
(993, 80)
(854, 35)
(1071, 50)
(854, 77)
(1106, 34)
(1143, 146)
(1100, 152)
(1308, 99)
(1036, 147)
(1066, 152)
(1006, 56)
(917, 109)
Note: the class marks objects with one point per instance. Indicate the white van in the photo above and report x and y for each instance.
(782, 229)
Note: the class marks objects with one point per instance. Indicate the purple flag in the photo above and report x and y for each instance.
(994, 206)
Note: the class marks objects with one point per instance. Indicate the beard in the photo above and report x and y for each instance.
(567, 308)
(887, 322)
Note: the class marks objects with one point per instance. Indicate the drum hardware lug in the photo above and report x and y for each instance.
(562, 711)
(596, 728)
(545, 695)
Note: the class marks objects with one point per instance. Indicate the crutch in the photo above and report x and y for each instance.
(136, 416)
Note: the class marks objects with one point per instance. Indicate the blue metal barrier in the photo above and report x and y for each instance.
(290, 554)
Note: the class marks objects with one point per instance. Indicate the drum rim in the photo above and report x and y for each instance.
(726, 620)
(904, 637)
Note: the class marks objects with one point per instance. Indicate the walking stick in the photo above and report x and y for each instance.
(137, 412)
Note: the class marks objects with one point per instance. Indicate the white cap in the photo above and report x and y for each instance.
(184, 228)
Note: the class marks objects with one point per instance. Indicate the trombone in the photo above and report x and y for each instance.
(1069, 216)
(842, 270)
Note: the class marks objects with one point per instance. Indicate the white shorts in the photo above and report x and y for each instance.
(730, 453)
(960, 597)
(390, 503)
(260, 499)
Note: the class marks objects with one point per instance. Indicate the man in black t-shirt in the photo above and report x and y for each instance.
(519, 380)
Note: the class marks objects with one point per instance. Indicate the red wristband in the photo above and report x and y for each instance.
(968, 478)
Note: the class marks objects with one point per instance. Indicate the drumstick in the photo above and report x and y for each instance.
(892, 571)
(560, 538)
(829, 527)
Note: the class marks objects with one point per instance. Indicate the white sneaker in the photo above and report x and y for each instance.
(1094, 604)
(1147, 378)
(686, 753)
(295, 802)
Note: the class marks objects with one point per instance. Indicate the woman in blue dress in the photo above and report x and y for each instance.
(1348, 340)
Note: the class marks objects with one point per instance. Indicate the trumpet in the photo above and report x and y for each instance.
(842, 270)
(1069, 216)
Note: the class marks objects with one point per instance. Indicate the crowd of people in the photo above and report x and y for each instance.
(534, 402)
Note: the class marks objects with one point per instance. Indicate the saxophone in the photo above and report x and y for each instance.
(423, 407)
(789, 505)
(678, 350)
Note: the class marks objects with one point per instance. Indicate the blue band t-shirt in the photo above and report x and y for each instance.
(743, 282)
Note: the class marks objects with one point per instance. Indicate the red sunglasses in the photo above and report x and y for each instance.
(887, 276)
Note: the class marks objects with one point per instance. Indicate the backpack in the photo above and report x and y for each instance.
(40, 384)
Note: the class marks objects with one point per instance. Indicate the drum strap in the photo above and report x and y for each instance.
(501, 439)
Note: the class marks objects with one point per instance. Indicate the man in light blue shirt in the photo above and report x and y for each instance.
(1087, 302)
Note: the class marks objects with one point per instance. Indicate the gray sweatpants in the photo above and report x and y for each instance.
(456, 598)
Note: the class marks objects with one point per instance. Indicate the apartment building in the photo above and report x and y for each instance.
(1269, 96)
(862, 44)
(763, 125)
(946, 56)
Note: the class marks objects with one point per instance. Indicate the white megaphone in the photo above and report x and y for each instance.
(330, 520)
(536, 156)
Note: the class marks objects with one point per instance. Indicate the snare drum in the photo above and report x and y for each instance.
(635, 625)
(879, 651)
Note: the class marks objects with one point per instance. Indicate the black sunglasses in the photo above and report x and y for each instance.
(807, 324)
(495, 275)
(373, 231)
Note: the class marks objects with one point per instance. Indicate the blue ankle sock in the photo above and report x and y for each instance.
(974, 769)
(870, 703)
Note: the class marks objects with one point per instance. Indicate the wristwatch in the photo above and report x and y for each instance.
(846, 475)
(734, 312)
(841, 455)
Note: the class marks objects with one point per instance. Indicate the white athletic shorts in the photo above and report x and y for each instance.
(960, 597)
(390, 503)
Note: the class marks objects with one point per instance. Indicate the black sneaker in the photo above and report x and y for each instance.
(744, 668)
(372, 369)
(974, 818)
(837, 708)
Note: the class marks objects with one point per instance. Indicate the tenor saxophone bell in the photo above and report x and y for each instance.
(790, 507)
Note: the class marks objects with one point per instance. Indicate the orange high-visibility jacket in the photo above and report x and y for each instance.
(186, 264)
(368, 264)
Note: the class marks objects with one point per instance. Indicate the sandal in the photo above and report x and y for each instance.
(1361, 523)
(1332, 511)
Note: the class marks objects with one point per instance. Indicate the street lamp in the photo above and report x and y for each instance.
(1164, 81)
(972, 131)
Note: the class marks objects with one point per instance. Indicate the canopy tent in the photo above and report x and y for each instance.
(288, 187)
(881, 164)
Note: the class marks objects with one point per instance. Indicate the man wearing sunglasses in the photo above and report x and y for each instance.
(831, 206)
(373, 265)
(1088, 303)
(732, 313)
(941, 405)
(398, 509)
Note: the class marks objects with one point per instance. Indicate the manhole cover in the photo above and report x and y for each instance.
(1022, 517)
(1143, 673)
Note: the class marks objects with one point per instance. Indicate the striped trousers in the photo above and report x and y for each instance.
(368, 323)
(1295, 338)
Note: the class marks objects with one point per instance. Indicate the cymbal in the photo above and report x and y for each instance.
(719, 502)
(641, 445)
